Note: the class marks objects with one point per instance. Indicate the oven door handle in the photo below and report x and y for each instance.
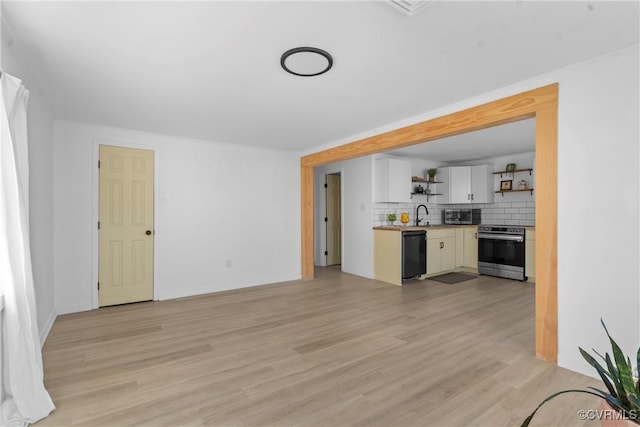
(501, 237)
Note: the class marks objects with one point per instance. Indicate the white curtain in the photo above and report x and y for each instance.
(23, 398)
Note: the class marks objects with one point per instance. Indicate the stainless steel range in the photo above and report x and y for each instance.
(501, 251)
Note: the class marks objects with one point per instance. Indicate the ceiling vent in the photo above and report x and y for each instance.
(409, 7)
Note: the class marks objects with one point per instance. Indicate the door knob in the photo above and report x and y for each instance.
(148, 232)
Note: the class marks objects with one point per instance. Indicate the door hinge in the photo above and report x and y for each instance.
(98, 164)
(326, 219)
(326, 185)
(98, 285)
(98, 225)
(326, 252)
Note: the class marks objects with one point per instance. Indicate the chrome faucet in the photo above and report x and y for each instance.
(418, 210)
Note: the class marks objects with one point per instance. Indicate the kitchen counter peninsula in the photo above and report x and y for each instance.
(445, 251)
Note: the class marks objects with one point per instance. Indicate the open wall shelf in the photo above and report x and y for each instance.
(419, 180)
(511, 173)
(423, 180)
(515, 191)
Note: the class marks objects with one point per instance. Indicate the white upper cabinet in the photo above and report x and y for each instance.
(458, 189)
(466, 184)
(482, 184)
(392, 180)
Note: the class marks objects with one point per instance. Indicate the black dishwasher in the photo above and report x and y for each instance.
(414, 254)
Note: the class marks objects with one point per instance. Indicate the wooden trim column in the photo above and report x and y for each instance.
(546, 187)
(306, 179)
(541, 103)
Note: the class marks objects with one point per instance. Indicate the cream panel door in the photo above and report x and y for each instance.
(334, 226)
(125, 263)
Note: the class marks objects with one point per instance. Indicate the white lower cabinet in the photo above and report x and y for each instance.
(387, 256)
(441, 251)
(470, 245)
(459, 247)
(530, 255)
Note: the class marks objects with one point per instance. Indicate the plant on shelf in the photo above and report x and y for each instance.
(621, 380)
(431, 173)
(510, 169)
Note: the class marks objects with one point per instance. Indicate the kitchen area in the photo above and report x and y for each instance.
(471, 218)
(472, 186)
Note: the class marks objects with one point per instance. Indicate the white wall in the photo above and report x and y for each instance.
(598, 215)
(215, 202)
(598, 226)
(357, 202)
(40, 127)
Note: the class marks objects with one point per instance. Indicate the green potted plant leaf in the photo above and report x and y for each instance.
(431, 173)
(623, 388)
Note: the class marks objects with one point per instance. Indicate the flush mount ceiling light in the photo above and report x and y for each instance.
(306, 61)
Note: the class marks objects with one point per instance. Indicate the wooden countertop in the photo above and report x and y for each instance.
(430, 227)
(414, 228)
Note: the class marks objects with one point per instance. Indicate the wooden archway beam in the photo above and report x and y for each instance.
(541, 103)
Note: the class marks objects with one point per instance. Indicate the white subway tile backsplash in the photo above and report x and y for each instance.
(499, 213)
(381, 210)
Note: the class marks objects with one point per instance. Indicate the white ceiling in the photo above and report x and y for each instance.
(512, 138)
(211, 70)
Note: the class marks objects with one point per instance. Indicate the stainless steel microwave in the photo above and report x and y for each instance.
(461, 216)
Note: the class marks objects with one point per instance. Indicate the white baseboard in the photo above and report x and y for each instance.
(44, 332)
(66, 309)
(182, 293)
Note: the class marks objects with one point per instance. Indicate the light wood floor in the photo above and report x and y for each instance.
(339, 350)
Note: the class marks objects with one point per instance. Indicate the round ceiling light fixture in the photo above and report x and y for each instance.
(306, 61)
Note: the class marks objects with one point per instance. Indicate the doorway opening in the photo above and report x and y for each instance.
(333, 219)
(541, 104)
